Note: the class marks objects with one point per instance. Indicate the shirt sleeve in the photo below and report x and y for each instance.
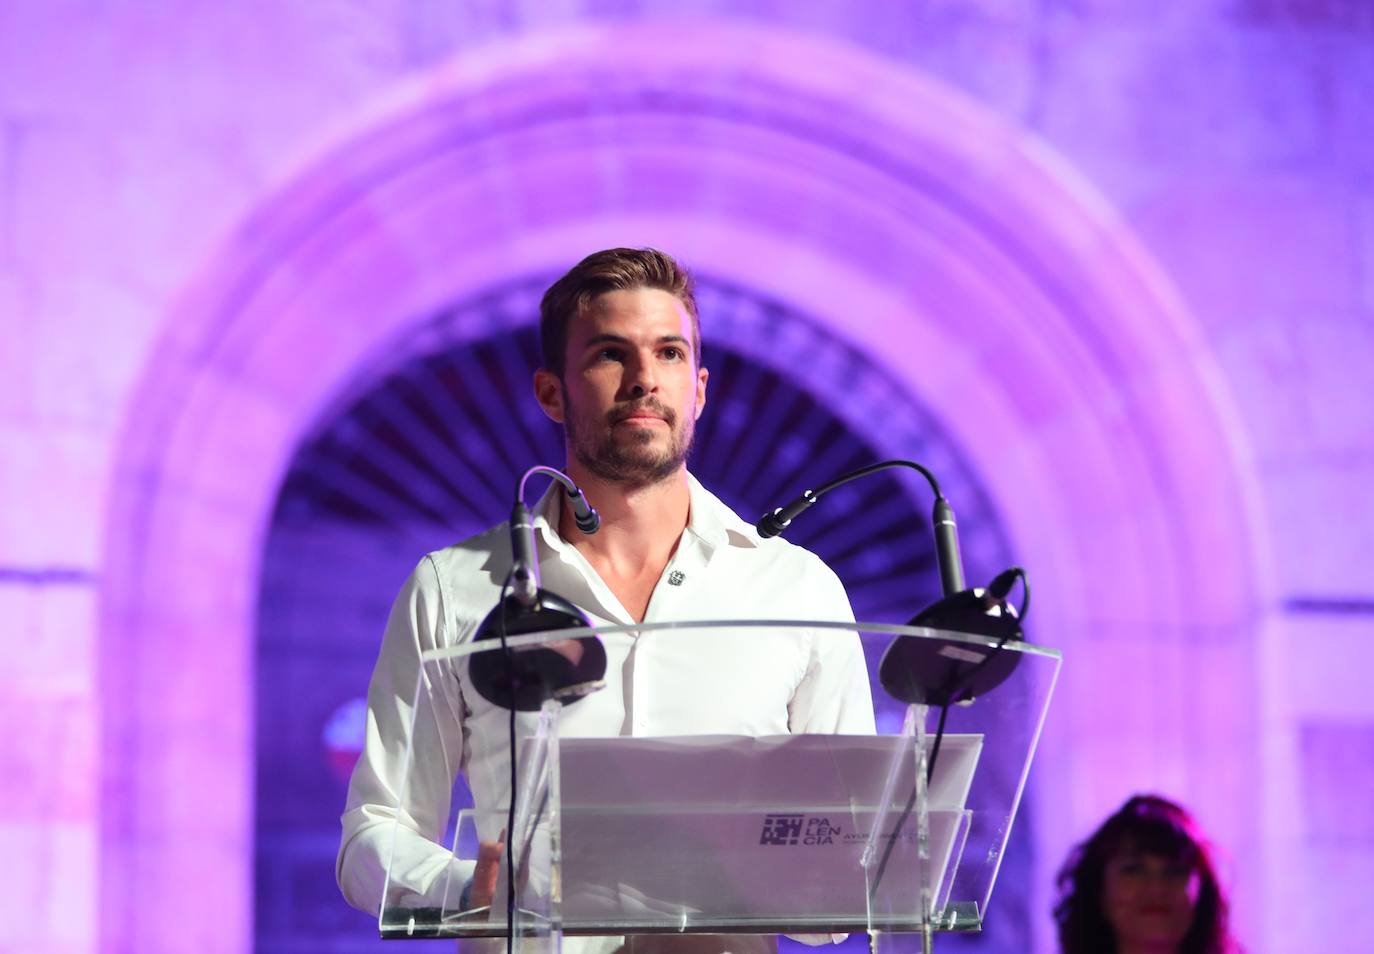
(399, 794)
(834, 694)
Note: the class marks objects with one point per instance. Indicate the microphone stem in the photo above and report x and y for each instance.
(525, 565)
(873, 469)
(947, 547)
(557, 475)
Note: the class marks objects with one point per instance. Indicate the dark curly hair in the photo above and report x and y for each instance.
(1155, 826)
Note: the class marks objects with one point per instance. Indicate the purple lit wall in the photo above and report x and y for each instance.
(1124, 257)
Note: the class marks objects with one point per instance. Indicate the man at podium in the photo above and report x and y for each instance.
(622, 374)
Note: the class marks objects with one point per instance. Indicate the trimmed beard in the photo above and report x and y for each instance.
(629, 461)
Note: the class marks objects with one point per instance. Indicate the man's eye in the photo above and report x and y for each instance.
(609, 354)
(672, 354)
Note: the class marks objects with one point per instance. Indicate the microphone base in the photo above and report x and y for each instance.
(942, 672)
(523, 678)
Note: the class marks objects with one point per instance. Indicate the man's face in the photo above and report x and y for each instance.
(631, 391)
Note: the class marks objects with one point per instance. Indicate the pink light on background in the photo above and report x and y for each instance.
(350, 250)
(1094, 403)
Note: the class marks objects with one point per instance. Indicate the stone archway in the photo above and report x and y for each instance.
(959, 255)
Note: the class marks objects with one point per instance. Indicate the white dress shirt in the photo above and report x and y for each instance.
(743, 682)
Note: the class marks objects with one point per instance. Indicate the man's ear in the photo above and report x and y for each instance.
(548, 391)
(702, 375)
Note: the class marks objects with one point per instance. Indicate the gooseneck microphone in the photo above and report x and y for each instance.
(524, 574)
(773, 523)
(935, 670)
(524, 677)
(926, 671)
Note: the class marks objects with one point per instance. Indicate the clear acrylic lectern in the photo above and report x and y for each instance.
(718, 833)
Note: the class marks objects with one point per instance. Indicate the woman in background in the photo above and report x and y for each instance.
(1144, 882)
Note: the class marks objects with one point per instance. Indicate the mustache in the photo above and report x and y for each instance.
(641, 406)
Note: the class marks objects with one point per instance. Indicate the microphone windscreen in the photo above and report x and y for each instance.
(768, 525)
(585, 515)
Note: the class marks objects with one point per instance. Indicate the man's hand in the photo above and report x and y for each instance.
(489, 854)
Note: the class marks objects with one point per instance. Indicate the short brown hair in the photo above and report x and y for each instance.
(613, 269)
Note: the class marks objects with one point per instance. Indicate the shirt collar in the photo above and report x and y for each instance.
(709, 520)
(715, 524)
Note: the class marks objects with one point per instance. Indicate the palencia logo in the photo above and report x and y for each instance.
(798, 830)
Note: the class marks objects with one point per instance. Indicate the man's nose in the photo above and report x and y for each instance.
(640, 377)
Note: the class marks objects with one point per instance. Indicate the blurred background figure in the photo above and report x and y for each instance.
(1143, 882)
